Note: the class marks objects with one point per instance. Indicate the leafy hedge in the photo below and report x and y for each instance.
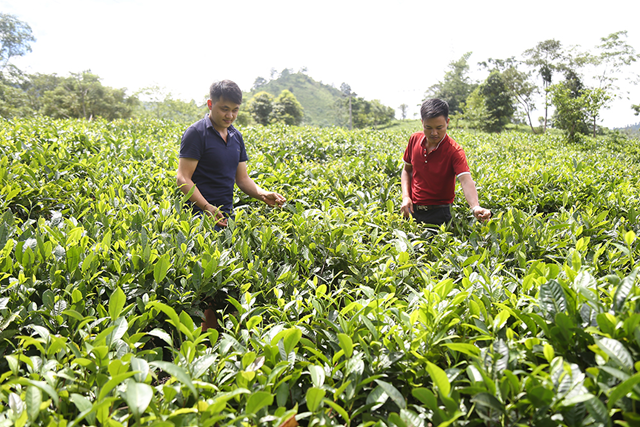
(339, 311)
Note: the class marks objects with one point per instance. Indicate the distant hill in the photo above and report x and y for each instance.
(317, 99)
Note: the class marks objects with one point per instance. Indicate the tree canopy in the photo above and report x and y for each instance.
(15, 38)
(456, 85)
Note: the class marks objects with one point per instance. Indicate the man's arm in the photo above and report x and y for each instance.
(471, 194)
(405, 181)
(250, 188)
(186, 168)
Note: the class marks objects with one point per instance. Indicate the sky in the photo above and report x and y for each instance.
(387, 50)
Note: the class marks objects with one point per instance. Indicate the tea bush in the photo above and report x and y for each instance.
(340, 312)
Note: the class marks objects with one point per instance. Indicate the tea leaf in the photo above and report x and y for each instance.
(257, 401)
(314, 398)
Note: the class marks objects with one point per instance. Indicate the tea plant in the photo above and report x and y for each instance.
(338, 311)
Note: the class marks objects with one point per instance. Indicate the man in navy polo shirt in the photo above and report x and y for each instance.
(433, 161)
(213, 157)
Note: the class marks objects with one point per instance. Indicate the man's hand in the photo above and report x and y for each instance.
(407, 207)
(216, 214)
(481, 213)
(272, 199)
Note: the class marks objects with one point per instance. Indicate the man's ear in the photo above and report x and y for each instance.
(209, 104)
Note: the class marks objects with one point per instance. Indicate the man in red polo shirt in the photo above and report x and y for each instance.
(432, 162)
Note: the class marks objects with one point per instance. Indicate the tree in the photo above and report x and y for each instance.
(260, 107)
(287, 109)
(570, 114)
(403, 111)
(160, 104)
(614, 55)
(498, 102)
(594, 100)
(15, 36)
(636, 108)
(381, 114)
(475, 112)
(83, 96)
(546, 57)
(518, 83)
(522, 90)
(346, 91)
(13, 101)
(456, 85)
(258, 83)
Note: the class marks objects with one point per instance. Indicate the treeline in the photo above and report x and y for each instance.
(80, 95)
(571, 86)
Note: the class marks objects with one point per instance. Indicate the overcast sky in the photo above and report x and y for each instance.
(387, 50)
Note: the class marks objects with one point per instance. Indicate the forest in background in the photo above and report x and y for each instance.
(570, 85)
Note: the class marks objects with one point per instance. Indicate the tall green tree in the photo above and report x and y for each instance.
(287, 109)
(594, 100)
(546, 58)
(519, 84)
(475, 112)
(498, 101)
(15, 38)
(614, 57)
(636, 108)
(260, 107)
(569, 113)
(523, 90)
(455, 86)
(82, 95)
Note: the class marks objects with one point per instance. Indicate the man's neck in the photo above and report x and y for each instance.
(223, 132)
(430, 146)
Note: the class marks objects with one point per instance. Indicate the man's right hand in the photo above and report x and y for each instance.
(216, 214)
(407, 207)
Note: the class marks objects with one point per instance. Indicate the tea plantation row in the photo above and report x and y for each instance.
(340, 312)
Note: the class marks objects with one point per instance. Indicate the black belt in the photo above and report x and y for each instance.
(429, 207)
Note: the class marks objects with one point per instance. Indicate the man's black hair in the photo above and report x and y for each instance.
(225, 89)
(432, 108)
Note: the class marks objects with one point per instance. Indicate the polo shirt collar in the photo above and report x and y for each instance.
(424, 138)
(231, 130)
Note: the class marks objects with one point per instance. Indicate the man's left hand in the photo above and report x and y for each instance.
(272, 199)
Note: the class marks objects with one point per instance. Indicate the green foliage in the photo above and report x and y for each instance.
(161, 105)
(81, 95)
(574, 109)
(15, 37)
(260, 107)
(456, 85)
(475, 113)
(287, 109)
(317, 99)
(341, 312)
(497, 101)
(369, 113)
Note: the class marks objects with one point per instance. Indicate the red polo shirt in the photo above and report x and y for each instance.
(434, 175)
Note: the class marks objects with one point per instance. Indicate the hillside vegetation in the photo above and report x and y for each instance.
(318, 99)
(340, 312)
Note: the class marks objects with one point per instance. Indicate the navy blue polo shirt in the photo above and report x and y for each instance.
(218, 161)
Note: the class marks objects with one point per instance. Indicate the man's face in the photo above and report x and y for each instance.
(435, 129)
(223, 113)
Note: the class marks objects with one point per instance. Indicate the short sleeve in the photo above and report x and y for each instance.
(243, 151)
(192, 144)
(407, 154)
(460, 164)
